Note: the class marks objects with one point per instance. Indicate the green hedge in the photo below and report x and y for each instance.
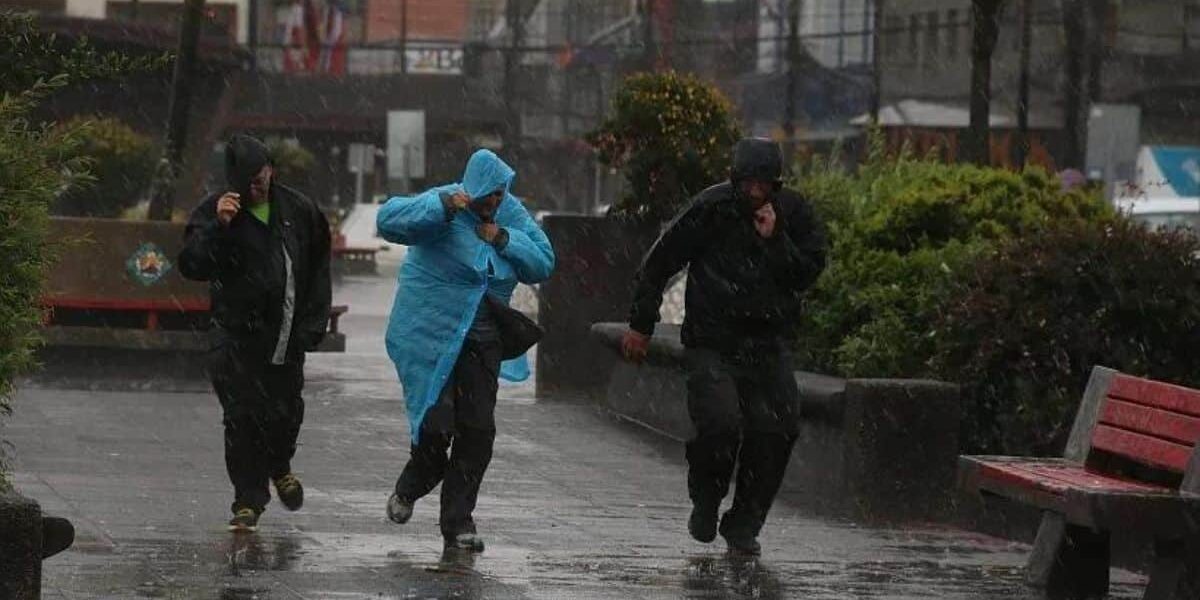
(34, 165)
(120, 163)
(672, 135)
(903, 230)
(999, 281)
(1022, 329)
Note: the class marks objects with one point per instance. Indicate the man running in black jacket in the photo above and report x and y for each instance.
(751, 249)
(264, 249)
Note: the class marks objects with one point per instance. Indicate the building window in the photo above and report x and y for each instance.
(894, 27)
(914, 36)
(1191, 27)
(44, 7)
(933, 36)
(952, 33)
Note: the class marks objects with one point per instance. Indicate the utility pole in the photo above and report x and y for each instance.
(649, 50)
(877, 61)
(182, 81)
(793, 78)
(565, 74)
(1097, 22)
(404, 38)
(252, 33)
(1075, 109)
(841, 39)
(1023, 144)
(976, 144)
(513, 17)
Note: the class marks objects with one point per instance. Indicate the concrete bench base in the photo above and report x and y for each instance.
(26, 539)
(20, 547)
(872, 448)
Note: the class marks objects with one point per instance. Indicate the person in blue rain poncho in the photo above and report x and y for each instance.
(470, 243)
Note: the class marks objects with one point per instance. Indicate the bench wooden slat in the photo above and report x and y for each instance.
(1141, 448)
(1056, 475)
(1171, 426)
(1151, 423)
(1157, 394)
(165, 304)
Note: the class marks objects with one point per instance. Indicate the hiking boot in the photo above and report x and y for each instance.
(398, 510)
(743, 546)
(289, 491)
(244, 519)
(703, 523)
(470, 542)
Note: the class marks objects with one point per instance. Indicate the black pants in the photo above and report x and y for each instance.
(262, 412)
(456, 439)
(744, 406)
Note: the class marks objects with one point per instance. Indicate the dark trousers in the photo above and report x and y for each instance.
(744, 407)
(456, 439)
(262, 413)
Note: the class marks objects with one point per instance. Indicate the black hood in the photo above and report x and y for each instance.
(757, 158)
(245, 156)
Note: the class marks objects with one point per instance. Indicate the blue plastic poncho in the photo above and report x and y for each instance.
(445, 275)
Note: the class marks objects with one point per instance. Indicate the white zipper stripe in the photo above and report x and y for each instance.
(289, 312)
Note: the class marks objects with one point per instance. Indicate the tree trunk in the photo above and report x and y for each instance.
(976, 145)
(1096, 47)
(793, 79)
(877, 62)
(1075, 95)
(1023, 85)
(514, 18)
(649, 49)
(183, 79)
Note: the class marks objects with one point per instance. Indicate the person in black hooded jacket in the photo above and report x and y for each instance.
(264, 248)
(751, 249)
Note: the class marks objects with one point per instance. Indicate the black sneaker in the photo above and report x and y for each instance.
(244, 520)
(289, 491)
(703, 523)
(399, 511)
(743, 547)
(470, 542)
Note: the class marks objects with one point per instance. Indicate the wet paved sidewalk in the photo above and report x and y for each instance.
(576, 505)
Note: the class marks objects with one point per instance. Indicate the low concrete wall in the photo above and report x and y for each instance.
(20, 548)
(593, 281)
(101, 261)
(872, 448)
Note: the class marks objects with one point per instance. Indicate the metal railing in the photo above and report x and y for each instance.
(424, 58)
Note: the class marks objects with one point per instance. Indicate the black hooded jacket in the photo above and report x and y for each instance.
(740, 286)
(248, 264)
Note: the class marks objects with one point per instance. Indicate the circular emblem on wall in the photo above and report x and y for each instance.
(148, 264)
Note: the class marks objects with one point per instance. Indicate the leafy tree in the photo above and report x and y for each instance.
(120, 162)
(672, 134)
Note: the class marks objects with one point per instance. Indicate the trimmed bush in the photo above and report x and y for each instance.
(120, 162)
(34, 165)
(672, 135)
(293, 162)
(904, 230)
(32, 56)
(1024, 327)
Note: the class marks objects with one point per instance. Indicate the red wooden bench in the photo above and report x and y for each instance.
(162, 324)
(354, 260)
(1130, 464)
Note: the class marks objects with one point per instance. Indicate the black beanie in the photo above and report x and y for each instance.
(245, 156)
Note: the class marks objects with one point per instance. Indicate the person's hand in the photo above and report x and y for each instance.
(487, 232)
(459, 200)
(228, 206)
(764, 220)
(634, 345)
